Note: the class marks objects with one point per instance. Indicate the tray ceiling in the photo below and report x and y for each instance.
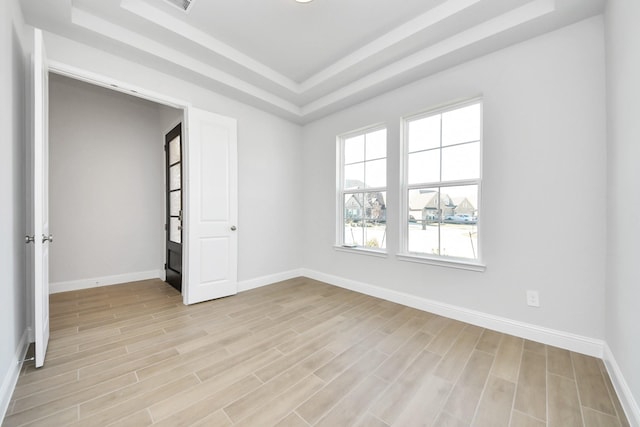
(304, 61)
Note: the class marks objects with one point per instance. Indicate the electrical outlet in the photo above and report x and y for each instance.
(533, 299)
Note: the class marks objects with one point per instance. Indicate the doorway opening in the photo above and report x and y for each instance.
(210, 164)
(107, 182)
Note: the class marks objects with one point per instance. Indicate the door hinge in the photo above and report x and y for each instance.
(165, 227)
(165, 266)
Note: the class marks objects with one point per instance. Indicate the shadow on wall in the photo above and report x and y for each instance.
(20, 121)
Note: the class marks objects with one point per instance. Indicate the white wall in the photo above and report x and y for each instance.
(106, 183)
(269, 161)
(169, 118)
(543, 196)
(623, 275)
(13, 87)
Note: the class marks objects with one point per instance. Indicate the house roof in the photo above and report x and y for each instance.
(420, 200)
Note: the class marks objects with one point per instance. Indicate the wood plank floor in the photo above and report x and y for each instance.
(296, 353)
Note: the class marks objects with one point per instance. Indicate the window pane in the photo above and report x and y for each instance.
(375, 220)
(354, 149)
(354, 176)
(174, 177)
(424, 167)
(423, 225)
(353, 208)
(458, 231)
(354, 212)
(175, 233)
(376, 145)
(424, 206)
(175, 203)
(460, 200)
(375, 236)
(375, 206)
(461, 125)
(461, 162)
(174, 150)
(376, 173)
(354, 234)
(424, 133)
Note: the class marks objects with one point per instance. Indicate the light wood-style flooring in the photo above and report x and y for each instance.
(296, 353)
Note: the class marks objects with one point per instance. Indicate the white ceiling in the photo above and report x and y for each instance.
(303, 61)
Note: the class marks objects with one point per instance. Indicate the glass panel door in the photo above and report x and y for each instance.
(173, 266)
(175, 187)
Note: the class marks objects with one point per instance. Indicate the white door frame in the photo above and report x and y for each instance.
(140, 92)
(117, 85)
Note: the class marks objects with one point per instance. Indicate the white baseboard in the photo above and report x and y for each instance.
(270, 279)
(629, 404)
(94, 282)
(11, 377)
(577, 343)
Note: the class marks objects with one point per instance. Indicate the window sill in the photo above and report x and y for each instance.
(362, 251)
(450, 263)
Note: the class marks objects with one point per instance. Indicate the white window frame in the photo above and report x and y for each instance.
(340, 191)
(439, 260)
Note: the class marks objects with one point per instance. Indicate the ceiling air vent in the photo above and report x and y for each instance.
(184, 5)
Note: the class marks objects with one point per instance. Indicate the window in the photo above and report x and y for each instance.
(442, 183)
(362, 189)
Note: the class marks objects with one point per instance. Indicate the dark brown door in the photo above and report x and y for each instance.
(173, 150)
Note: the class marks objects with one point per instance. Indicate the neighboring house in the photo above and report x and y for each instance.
(377, 206)
(426, 206)
(367, 206)
(462, 206)
(354, 208)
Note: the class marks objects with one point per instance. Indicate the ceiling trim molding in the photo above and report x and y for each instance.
(404, 31)
(122, 35)
(504, 22)
(439, 13)
(508, 20)
(156, 16)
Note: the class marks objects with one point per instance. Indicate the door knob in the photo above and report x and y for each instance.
(233, 228)
(29, 239)
(49, 238)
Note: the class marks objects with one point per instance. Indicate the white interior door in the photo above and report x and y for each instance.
(210, 250)
(39, 157)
